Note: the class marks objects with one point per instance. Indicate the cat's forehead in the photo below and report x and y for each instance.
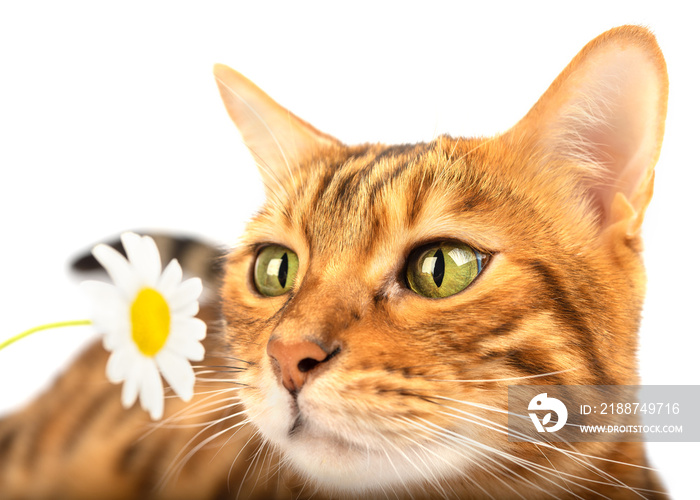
(358, 198)
(350, 204)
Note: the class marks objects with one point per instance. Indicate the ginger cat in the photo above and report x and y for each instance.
(410, 285)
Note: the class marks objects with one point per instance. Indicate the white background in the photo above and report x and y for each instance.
(110, 120)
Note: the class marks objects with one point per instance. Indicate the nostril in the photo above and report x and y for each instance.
(295, 360)
(307, 364)
(331, 355)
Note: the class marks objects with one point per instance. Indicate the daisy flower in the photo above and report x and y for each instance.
(148, 322)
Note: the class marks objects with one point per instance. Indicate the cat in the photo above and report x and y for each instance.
(413, 284)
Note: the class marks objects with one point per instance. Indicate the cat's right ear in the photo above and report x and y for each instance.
(279, 141)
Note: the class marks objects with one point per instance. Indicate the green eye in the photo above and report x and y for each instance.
(443, 269)
(275, 270)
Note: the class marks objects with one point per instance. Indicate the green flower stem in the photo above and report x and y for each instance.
(50, 326)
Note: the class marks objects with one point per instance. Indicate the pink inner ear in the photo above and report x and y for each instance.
(612, 118)
(278, 140)
(626, 136)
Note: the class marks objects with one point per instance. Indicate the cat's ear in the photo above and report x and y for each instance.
(278, 140)
(605, 112)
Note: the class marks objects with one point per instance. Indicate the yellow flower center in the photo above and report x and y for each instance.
(150, 321)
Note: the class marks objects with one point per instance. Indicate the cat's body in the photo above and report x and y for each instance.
(351, 381)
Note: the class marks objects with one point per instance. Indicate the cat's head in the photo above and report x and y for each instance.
(385, 296)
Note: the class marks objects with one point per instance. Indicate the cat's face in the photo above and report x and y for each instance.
(542, 303)
(372, 358)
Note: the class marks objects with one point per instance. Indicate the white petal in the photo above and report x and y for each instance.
(186, 347)
(117, 267)
(186, 293)
(132, 384)
(113, 341)
(104, 294)
(143, 255)
(178, 372)
(114, 327)
(111, 315)
(189, 327)
(107, 321)
(186, 310)
(118, 366)
(170, 279)
(101, 292)
(198, 328)
(152, 390)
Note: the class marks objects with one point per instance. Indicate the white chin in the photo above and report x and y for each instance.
(339, 466)
(335, 457)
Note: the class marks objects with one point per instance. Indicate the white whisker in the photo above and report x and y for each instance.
(201, 414)
(508, 379)
(181, 414)
(482, 422)
(179, 463)
(252, 463)
(446, 445)
(475, 447)
(527, 464)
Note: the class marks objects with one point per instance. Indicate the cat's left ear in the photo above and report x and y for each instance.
(279, 141)
(605, 113)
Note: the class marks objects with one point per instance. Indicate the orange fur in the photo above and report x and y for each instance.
(412, 403)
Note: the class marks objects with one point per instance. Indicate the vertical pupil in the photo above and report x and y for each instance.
(282, 274)
(439, 269)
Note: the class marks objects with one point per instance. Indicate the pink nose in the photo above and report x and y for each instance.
(296, 360)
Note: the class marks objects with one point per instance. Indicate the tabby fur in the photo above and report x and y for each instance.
(413, 405)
